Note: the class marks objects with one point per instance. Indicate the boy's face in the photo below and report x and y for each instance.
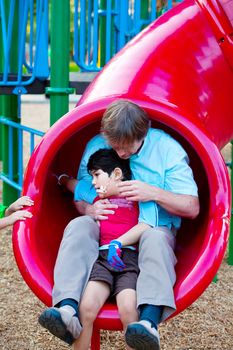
(127, 150)
(104, 184)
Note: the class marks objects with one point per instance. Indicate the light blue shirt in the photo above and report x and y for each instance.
(161, 162)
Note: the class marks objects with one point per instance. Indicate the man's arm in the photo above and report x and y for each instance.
(176, 190)
(98, 211)
(177, 204)
(101, 208)
(68, 182)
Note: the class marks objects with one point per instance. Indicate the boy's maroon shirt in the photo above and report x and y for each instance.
(124, 218)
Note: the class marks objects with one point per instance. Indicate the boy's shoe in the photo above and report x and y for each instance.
(61, 323)
(141, 336)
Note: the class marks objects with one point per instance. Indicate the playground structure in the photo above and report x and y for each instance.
(193, 121)
(100, 29)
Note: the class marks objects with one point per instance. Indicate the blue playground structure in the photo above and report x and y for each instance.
(35, 60)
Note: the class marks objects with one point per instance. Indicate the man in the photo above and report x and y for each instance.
(166, 191)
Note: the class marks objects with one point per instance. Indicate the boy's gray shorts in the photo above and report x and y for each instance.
(117, 280)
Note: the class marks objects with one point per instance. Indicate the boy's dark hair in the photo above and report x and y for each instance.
(107, 160)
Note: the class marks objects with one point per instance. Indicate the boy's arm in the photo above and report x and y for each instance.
(19, 204)
(133, 235)
(12, 218)
(4, 222)
(128, 238)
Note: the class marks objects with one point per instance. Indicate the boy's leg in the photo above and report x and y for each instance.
(127, 307)
(76, 256)
(155, 296)
(125, 289)
(94, 297)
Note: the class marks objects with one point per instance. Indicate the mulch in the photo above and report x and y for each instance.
(207, 324)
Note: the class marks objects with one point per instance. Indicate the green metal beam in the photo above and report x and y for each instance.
(144, 10)
(102, 34)
(60, 57)
(9, 109)
(1, 71)
(230, 244)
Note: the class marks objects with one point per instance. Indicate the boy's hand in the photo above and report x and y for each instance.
(18, 215)
(114, 253)
(19, 204)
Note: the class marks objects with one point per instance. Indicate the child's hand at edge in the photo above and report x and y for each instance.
(19, 215)
(19, 204)
(16, 216)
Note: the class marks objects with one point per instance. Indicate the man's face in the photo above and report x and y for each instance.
(127, 150)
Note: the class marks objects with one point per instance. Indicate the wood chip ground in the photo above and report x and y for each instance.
(206, 325)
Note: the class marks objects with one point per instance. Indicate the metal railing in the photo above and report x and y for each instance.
(103, 27)
(14, 133)
(23, 41)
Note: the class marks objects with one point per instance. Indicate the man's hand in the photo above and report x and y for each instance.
(114, 253)
(101, 209)
(135, 190)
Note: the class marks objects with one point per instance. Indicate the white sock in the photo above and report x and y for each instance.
(72, 323)
(69, 309)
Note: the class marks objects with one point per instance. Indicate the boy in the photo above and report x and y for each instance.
(9, 215)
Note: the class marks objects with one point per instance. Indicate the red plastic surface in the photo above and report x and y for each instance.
(181, 71)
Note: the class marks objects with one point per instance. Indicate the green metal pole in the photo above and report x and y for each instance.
(1, 71)
(144, 11)
(60, 55)
(102, 34)
(9, 109)
(230, 245)
(1, 129)
(215, 280)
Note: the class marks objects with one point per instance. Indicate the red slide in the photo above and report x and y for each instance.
(180, 70)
